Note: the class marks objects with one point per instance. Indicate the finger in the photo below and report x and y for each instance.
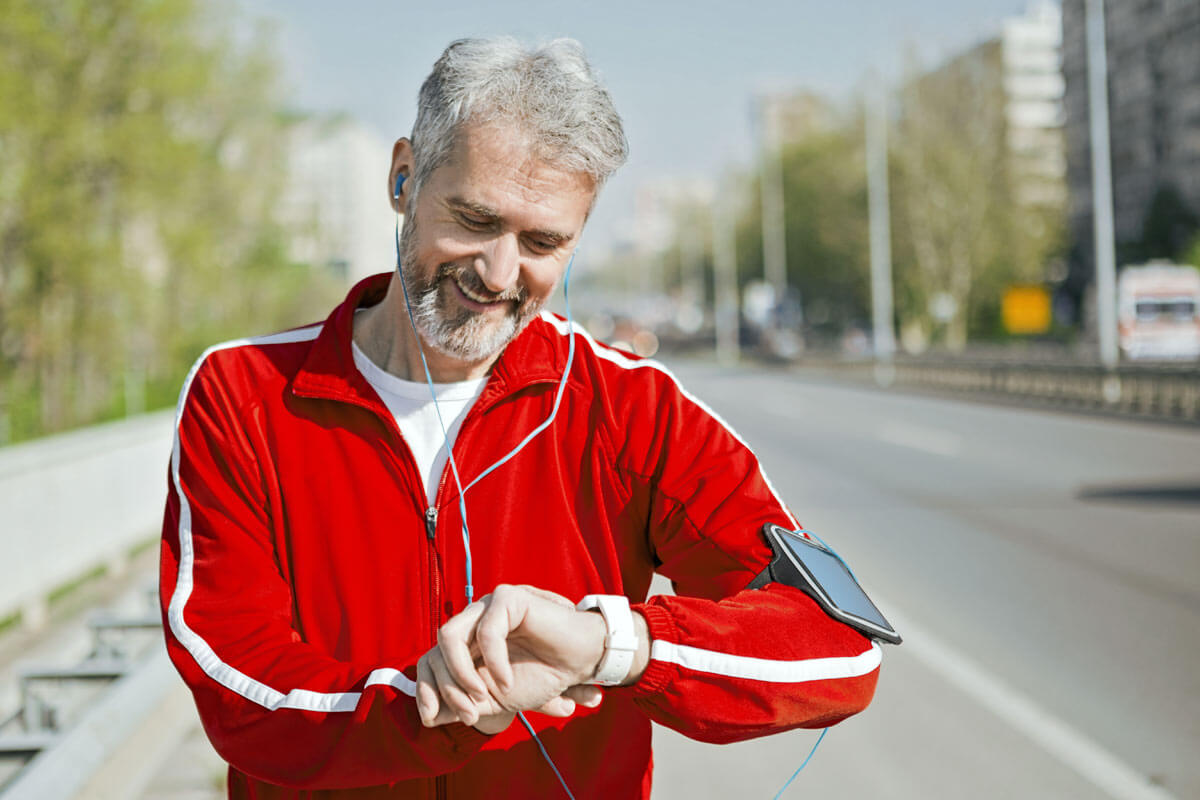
(546, 594)
(427, 697)
(454, 643)
(585, 695)
(557, 707)
(450, 692)
(504, 613)
(445, 716)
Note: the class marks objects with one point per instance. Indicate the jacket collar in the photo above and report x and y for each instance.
(536, 355)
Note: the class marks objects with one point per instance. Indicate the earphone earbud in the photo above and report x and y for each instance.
(399, 184)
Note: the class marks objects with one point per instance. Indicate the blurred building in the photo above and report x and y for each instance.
(1154, 127)
(1024, 61)
(336, 204)
(1031, 53)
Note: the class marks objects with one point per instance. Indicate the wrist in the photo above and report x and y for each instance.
(621, 648)
(596, 632)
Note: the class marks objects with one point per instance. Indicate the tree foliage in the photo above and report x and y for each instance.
(825, 200)
(961, 232)
(1169, 228)
(140, 159)
(971, 214)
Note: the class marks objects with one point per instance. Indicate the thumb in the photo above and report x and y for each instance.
(585, 694)
(560, 706)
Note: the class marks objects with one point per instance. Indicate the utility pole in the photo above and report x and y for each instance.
(878, 215)
(773, 232)
(1102, 200)
(691, 259)
(725, 290)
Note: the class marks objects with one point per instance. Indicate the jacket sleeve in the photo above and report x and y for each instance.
(727, 663)
(273, 705)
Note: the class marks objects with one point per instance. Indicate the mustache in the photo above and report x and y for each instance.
(469, 279)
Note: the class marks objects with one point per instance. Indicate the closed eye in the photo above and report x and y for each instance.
(543, 245)
(475, 223)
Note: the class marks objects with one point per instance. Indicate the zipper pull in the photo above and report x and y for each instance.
(431, 522)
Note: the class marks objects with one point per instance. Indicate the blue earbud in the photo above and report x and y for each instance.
(399, 184)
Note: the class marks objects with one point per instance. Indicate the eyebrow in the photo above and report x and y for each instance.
(490, 215)
(473, 208)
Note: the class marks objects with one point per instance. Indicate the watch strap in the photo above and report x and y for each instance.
(620, 644)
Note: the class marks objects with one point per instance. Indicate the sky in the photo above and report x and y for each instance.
(681, 74)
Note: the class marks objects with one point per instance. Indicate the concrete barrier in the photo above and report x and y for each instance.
(77, 501)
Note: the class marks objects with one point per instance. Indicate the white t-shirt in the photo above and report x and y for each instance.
(412, 406)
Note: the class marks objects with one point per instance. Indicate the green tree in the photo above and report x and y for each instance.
(139, 161)
(1169, 228)
(1191, 255)
(962, 231)
(825, 202)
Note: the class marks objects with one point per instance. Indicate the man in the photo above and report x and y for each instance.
(314, 575)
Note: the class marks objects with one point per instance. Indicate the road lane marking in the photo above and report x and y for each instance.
(1070, 746)
(930, 440)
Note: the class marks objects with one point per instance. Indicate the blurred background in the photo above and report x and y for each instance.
(939, 262)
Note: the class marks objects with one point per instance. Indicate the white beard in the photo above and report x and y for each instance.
(443, 323)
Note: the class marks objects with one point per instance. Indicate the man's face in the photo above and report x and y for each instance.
(487, 241)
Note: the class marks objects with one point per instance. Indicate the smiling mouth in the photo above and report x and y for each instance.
(474, 296)
(479, 299)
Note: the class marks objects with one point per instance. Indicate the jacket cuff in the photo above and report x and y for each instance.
(658, 674)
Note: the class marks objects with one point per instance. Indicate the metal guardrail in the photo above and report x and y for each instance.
(77, 723)
(1166, 392)
(113, 749)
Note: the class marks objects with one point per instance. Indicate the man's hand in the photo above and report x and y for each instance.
(484, 711)
(518, 648)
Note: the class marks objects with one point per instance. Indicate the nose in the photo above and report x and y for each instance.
(500, 263)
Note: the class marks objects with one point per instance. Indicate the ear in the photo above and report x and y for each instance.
(402, 164)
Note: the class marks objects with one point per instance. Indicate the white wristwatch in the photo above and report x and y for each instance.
(621, 643)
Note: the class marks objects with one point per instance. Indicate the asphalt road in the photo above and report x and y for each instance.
(1043, 568)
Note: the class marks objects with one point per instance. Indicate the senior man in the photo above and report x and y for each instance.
(314, 568)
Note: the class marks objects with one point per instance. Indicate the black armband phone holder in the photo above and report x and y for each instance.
(813, 568)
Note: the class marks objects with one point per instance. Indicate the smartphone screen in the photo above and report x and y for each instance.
(834, 578)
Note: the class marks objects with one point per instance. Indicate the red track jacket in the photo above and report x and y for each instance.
(303, 576)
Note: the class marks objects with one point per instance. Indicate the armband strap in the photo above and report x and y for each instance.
(762, 578)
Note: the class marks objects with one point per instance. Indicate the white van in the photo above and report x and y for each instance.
(1158, 311)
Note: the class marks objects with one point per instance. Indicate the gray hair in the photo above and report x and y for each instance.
(549, 93)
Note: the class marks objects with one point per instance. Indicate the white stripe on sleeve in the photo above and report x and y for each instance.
(764, 669)
(205, 656)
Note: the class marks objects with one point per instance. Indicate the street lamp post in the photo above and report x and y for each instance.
(725, 291)
(773, 231)
(1102, 199)
(884, 338)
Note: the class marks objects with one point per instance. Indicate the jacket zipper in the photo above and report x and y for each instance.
(435, 583)
(431, 516)
(431, 519)
(431, 513)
